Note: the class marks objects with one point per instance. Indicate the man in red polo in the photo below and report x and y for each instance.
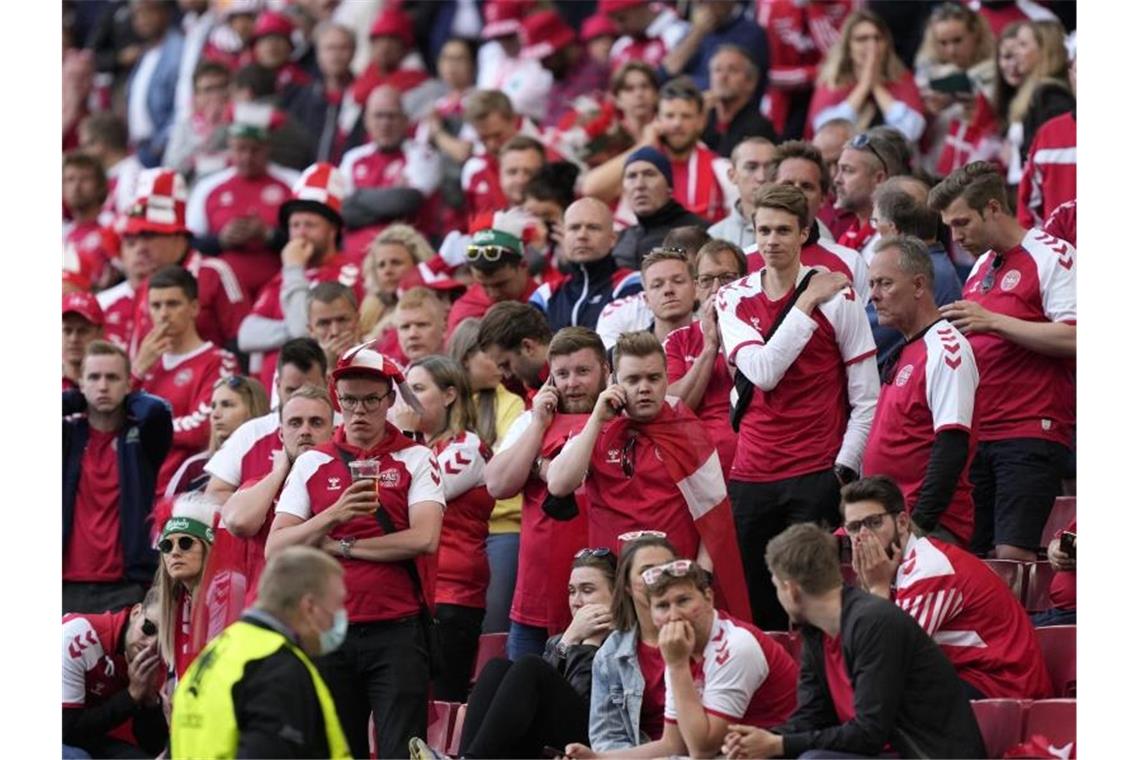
(382, 667)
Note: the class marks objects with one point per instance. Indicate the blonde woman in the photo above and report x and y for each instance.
(864, 81)
(1043, 62)
(392, 254)
(184, 543)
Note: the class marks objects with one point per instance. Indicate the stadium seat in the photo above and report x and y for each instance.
(1059, 647)
(1055, 719)
(1037, 582)
(1064, 510)
(457, 731)
(789, 640)
(1012, 572)
(1000, 723)
(491, 645)
(441, 717)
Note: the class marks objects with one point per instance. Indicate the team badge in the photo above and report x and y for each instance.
(1009, 282)
(393, 171)
(904, 375)
(183, 377)
(273, 195)
(389, 478)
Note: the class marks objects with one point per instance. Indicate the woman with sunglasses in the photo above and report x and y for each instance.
(446, 423)
(235, 400)
(518, 709)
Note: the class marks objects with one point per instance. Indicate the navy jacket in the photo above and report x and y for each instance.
(579, 299)
(142, 444)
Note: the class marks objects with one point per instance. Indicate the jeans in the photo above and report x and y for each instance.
(503, 556)
(525, 639)
(1055, 616)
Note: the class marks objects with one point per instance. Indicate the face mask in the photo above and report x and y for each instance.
(334, 636)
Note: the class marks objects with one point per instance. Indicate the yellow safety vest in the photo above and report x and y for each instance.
(203, 724)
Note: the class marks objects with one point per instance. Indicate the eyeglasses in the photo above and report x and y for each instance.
(368, 403)
(678, 568)
(862, 141)
(991, 275)
(627, 458)
(870, 522)
(633, 535)
(718, 280)
(600, 552)
(491, 253)
(185, 543)
(148, 627)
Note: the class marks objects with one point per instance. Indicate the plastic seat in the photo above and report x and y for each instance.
(491, 645)
(1059, 647)
(789, 640)
(1000, 721)
(457, 731)
(1064, 510)
(1037, 583)
(1055, 719)
(1012, 572)
(441, 717)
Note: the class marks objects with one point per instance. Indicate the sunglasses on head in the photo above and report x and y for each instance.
(633, 535)
(678, 568)
(233, 382)
(991, 275)
(862, 141)
(185, 543)
(600, 552)
(149, 628)
(490, 253)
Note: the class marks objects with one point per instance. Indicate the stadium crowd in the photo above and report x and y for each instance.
(649, 378)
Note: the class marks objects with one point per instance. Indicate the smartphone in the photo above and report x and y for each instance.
(1069, 543)
(548, 751)
(955, 84)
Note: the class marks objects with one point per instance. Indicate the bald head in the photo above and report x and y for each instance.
(830, 139)
(588, 231)
(384, 117)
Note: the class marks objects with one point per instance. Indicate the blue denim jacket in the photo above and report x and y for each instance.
(616, 693)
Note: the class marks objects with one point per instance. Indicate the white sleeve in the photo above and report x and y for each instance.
(857, 347)
(906, 120)
(736, 670)
(294, 498)
(841, 110)
(196, 220)
(763, 363)
(424, 168)
(462, 465)
(862, 274)
(515, 431)
(81, 652)
(1059, 282)
(951, 380)
(225, 464)
(346, 171)
(427, 482)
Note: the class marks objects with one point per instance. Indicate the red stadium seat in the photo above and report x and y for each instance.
(1059, 646)
(789, 640)
(491, 645)
(1037, 587)
(1012, 572)
(457, 731)
(1000, 723)
(1055, 719)
(441, 717)
(1064, 510)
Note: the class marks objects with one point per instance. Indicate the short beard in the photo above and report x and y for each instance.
(683, 148)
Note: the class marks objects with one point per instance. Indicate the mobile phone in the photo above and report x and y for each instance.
(954, 84)
(1068, 543)
(548, 751)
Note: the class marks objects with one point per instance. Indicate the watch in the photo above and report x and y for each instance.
(346, 547)
(539, 461)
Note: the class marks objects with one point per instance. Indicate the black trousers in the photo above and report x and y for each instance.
(459, 628)
(1015, 482)
(762, 511)
(382, 669)
(93, 598)
(518, 708)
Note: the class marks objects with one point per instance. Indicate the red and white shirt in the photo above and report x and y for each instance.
(1024, 394)
(931, 389)
(816, 383)
(627, 314)
(479, 180)
(94, 670)
(661, 36)
(742, 676)
(682, 348)
(463, 573)
(1050, 175)
(248, 453)
(1062, 223)
(972, 615)
(94, 246)
(701, 184)
(118, 305)
(828, 256)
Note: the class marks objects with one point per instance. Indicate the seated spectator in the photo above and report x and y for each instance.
(333, 319)
(546, 196)
(419, 321)
(867, 161)
(869, 674)
(197, 145)
(515, 336)
(114, 443)
(734, 88)
(272, 46)
(111, 671)
(598, 35)
(175, 364)
(595, 278)
(647, 185)
(104, 136)
(154, 79)
(317, 105)
(697, 371)
(235, 401)
(499, 270)
(1063, 588)
(228, 40)
(750, 159)
(392, 256)
(550, 41)
(666, 304)
(95, 246)
(290, 145)
(1044, 91)
(965, 607)
(649, 31)
(492, 117)
(863, 81)
(82, 323)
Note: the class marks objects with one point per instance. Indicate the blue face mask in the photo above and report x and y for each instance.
(334, 636)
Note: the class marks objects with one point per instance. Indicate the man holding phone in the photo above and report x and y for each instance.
(1062, 553)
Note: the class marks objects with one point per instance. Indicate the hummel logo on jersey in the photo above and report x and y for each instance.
(613, 456)
(334, 484)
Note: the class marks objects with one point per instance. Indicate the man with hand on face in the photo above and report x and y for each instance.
(384, 530)
(516, 337)
(645, 460)
(965, 607)
(334, 320)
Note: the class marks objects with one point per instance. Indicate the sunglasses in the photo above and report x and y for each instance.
(600, 552)
(627, 459)
(633, 535)
(148, 627)
(996, 264)
(870, 522)
(862, 141)
(233, 382)
(491, 253)
(678, 568)
(185, 543)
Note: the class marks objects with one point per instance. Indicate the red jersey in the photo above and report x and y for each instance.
(661, 36)
(970, 612)
(682, 347)
(94, 668)
(1024, 394)
(1062, 223)
(818, 411)
(839, 684)
(94, 551)
(480, 182)
(95, 246)
(119, 306)
(652, 667)
(700, 183)
(829, 256)
(931, 389)
(475, 303)
(187, 383)
(742, 676)
(463, 574)
(1050, 175)
(836, 220)
(409, 474)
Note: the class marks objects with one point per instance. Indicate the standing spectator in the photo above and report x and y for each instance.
(82, 324)
(551, 42)
(869, 675)
(111, 666)
(500, 65)
(154, 79)
(317, 105)
(419, 321)
(807, 349)
(232, 212)
(1044, 92)
(697, 371)
(392, 255)
(198, 20)
(332, 318)
(515, 337)
(382, 667)
(114, 442)
(867, 161)
(923, 432)
(750, 159)
(447, 424)
(197, 145)
(1050, 176)
(495, 123)
(647, 186)
(982, 628)
(864, 81)
(185, 540)
(84, 191)
(499, 271)
(830, 139)
(443, 129)
(104, 136)
(716, 26)
(1021, 323)
(649, 31)
(734, 91)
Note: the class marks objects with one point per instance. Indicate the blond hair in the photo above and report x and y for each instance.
(376, 309)
(1051, 68)
(838, 69)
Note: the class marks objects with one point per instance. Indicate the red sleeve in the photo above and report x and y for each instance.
(675, 364)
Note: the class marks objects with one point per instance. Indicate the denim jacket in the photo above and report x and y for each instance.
(615, 698)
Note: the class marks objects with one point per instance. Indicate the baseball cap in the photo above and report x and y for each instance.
(598, 25)
(85, 305)
(393, 22)
(272, 22)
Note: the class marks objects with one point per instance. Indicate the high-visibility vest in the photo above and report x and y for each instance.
(203, 724)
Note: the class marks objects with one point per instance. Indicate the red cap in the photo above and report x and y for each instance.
(320, 189)
(598, 25)
(609, 7)
(272, 22)
(544, 33)
(85, 305)
(160, 204)
(393, 22)
(503, 17)
(434, 274)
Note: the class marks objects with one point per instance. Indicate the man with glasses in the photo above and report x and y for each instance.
(111, 671)
(1019, 312)
(384, 530)
(866, 161)
(964, 606)
(500, 272)
(923, 434)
